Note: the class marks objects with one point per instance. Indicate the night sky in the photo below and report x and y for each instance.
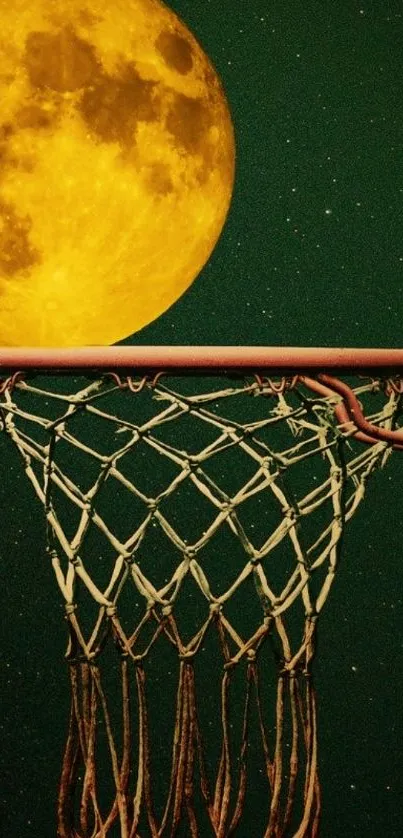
(312, 254)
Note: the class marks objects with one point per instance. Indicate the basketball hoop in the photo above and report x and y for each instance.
(206, 480)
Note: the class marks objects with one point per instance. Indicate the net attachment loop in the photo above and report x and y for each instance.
(8, 384)
(272, 387)
(350, 411)
(394, 385)
(135, 386)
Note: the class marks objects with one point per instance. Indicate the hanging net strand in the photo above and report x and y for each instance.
(186, 517)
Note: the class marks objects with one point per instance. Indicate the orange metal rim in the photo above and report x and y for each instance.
(203, 357)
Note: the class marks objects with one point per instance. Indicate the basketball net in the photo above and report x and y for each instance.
(190, 518)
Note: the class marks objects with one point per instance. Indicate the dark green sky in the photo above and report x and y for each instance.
(312, 253)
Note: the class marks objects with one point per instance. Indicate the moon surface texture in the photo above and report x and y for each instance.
(116, 167)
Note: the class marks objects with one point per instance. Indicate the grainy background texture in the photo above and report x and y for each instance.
(312, 254)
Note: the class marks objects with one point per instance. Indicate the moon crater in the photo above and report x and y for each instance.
(114, 105)
(16, 251)
(61, 61)
(176, 51)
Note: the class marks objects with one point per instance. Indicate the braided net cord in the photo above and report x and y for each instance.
(192, 519)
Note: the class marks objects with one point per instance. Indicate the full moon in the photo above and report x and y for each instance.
(117, 167)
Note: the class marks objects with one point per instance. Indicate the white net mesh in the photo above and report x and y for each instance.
(185, 513)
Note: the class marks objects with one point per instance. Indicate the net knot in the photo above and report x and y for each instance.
(79, 400)
(215, 607)
(192, 462)
(70, 607)
(226, 506)
(185, 654)
(166, 610)
(111, 610)
(290, 513)
(229, 430)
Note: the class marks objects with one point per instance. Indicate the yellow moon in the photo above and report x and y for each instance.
(117, 167)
